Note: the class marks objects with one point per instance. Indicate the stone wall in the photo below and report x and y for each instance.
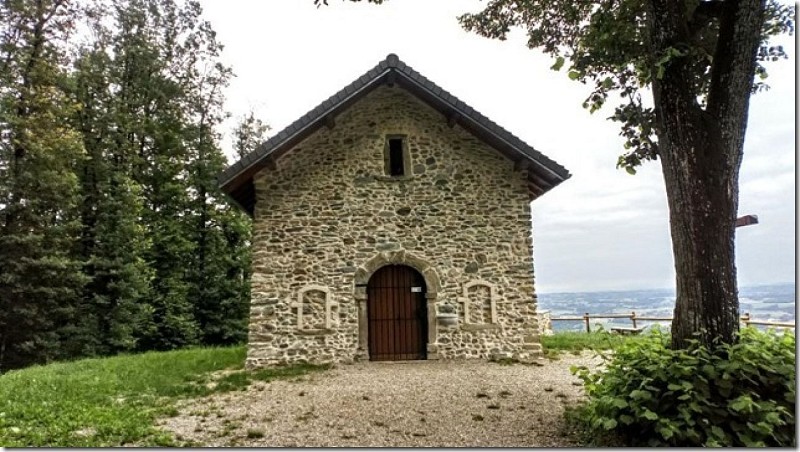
(327, 217)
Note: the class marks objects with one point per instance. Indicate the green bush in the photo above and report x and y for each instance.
(728, 395)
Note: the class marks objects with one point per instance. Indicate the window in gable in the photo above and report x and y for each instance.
(396, 157)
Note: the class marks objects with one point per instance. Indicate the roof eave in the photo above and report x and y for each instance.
(309, 123)
(547, 172)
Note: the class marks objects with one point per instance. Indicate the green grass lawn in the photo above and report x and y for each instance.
(115, 401)
(576, 342)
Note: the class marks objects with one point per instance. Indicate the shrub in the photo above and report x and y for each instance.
(727, 395)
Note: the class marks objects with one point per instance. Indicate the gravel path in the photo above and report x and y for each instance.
(422, 403)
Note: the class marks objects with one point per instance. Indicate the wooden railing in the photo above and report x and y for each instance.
(585, 318)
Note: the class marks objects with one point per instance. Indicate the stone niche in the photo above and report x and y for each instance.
(479, 305)
(315, 310)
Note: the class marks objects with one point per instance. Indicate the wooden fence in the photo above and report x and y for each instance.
(585, 318)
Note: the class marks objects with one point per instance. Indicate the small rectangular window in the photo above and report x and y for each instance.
(395, 162)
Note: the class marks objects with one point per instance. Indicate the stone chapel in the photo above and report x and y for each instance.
(391, 222)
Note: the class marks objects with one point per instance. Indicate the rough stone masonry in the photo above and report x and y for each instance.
(327, 216)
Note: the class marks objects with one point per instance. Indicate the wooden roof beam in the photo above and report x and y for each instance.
(522, 165)
(330, 122)
(271, 163)
(452, 119)
(391, 79)
(535, 188)
(538, 180)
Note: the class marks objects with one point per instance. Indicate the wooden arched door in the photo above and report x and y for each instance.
(397, 314)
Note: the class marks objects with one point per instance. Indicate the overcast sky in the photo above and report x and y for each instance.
(600, 230)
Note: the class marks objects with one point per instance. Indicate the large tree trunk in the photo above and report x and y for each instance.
(702, 205)
(700, 151)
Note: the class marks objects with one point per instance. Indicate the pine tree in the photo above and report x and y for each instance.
(40, 279)
(219, 280)
(114, 234)
(152, 47)
(113, 240)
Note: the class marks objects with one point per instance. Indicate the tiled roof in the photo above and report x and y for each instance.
(236, 180)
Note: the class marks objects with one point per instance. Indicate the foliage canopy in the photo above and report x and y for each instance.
(114, 235)
(606, 45)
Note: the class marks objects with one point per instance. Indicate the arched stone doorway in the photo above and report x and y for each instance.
(432, 286)
(397, 315)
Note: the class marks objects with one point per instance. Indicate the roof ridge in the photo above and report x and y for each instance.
(232, 178)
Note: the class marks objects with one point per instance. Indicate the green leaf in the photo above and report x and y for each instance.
(558, 64)
(774, 418)
(631, 170)
(665, 432)
(741, 403)
(761, 427)
(649, 415)
(626, 419)
(609, 424)
(574, 75)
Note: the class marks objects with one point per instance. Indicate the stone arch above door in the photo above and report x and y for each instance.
(365, 271)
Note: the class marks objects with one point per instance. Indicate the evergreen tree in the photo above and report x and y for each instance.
(171, 80)
(152, 47)
(40, 278)
(222, 272)
(114, 235)
(113, 240)
(220, 287)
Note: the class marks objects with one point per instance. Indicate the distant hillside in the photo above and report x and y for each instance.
(772, 302)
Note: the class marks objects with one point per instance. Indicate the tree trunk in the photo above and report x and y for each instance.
(700, 151)
(702, 210)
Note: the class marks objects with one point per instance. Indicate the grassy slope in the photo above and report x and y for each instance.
(114, 401)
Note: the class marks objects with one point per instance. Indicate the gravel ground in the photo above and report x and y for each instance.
(421, 403)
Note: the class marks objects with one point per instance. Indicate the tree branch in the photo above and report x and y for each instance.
(733, 66)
